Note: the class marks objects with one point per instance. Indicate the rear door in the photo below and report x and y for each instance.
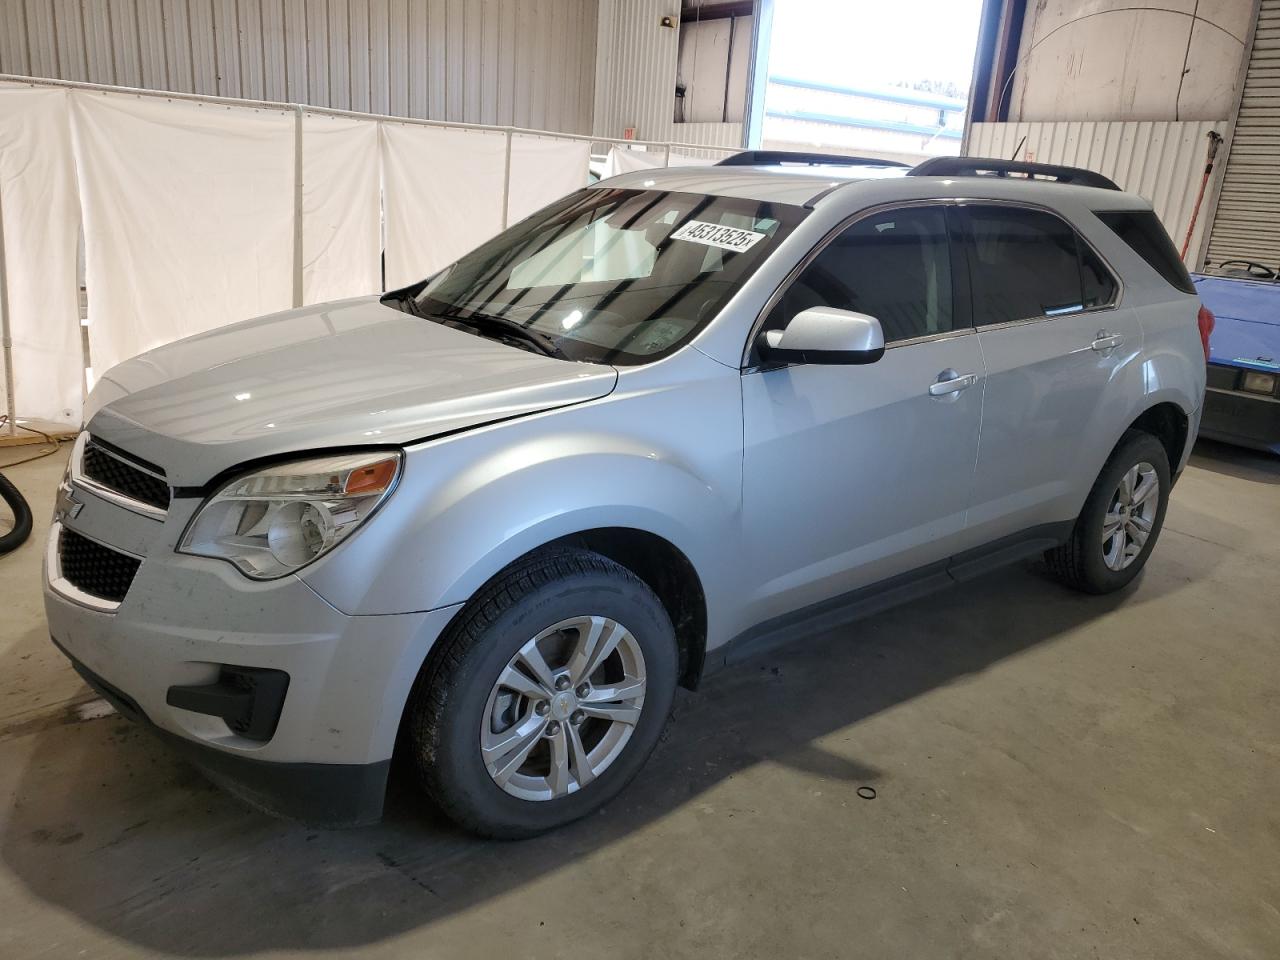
(1063, 358)
(853, 474)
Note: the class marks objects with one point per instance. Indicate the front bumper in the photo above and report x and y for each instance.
(185, 620)
(1244, 419)
(324, 794)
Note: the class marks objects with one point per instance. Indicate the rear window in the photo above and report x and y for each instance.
(1142, 231)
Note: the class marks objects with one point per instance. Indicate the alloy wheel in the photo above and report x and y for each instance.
(563, 709)
(1130, 516)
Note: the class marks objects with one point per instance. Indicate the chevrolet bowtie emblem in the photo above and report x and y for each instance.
(66, 507)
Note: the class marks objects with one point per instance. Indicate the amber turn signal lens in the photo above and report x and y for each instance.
(373, 478)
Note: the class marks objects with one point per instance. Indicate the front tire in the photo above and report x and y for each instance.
(1121, 520)
(546, 695)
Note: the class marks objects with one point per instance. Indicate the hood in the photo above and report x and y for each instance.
(1247, 333)
(334, 375)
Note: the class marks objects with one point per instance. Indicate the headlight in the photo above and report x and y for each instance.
(273, 521)
(1259, 382)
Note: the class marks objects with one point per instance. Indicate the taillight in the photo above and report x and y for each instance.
(1206, 322)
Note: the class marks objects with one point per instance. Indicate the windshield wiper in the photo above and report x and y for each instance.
(504, 327)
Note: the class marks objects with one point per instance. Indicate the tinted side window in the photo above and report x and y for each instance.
(1099, 284)
(1141, 230)
(1025, 264)
(894, 266)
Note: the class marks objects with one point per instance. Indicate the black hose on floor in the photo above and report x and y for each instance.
(21, 517)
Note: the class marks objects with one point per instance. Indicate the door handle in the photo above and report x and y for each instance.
(949, 382)
(1105, 342)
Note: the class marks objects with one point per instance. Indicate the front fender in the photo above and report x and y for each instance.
(470, 504)
(501, 508)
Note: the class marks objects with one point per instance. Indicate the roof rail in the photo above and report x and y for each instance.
(987, 167)
(761, 158)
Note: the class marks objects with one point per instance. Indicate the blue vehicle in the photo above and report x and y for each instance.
(1242, 400)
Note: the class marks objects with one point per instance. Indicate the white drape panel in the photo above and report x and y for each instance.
(41, 227)
(341, 219)
(189, 220)
(627, 160)
(442, 191)
(542, 171)
(188, 217)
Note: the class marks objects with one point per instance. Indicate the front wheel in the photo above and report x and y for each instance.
(546, 696)
(1121, 520)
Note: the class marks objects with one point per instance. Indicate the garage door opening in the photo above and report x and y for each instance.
(888, 80)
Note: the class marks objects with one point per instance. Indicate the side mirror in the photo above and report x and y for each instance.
(824, 335)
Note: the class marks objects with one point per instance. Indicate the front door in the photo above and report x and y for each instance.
(853, 474)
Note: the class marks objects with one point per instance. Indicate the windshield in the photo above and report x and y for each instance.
(610, 276)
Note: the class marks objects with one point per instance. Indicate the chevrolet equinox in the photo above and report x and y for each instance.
(496, 517)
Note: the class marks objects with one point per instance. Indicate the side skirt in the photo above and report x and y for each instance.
(874, 598)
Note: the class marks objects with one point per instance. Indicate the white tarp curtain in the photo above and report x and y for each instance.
(442, 191)
(188, 217)
(544, 170)
(341, 216)
(630, 159)
(41, 228)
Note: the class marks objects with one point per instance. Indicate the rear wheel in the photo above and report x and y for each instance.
(546, 697)
(1121, 520)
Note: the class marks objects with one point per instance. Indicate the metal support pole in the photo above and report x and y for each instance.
(6, 340)
(506, 185)
(666, 162)
(297, 205)
(758, 85)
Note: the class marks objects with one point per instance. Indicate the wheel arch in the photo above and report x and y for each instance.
(659, 563)
(1170, 424)
(669, 573)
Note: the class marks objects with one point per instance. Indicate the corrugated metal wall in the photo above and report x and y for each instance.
(527, 63)
(636, 80)
(1160, 160)
(708, 134)
(1247, 223)
(636, 83)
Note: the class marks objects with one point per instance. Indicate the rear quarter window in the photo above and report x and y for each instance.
(1146, 236)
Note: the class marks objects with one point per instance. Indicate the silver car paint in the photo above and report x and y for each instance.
(487, 496)
(821, 327)
(355, 372)
(853, 474)
(349, 676)
(782, 487)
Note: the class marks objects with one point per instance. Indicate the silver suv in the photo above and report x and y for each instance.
(498, 516)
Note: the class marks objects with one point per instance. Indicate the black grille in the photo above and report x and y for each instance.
(97, 570)
(112, 472)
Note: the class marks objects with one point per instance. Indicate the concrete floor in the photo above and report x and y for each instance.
(1055, 775)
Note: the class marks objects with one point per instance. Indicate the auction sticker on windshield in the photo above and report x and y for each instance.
(715, 235)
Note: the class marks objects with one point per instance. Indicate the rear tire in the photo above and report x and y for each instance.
(1121, 520)
(514, 726)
